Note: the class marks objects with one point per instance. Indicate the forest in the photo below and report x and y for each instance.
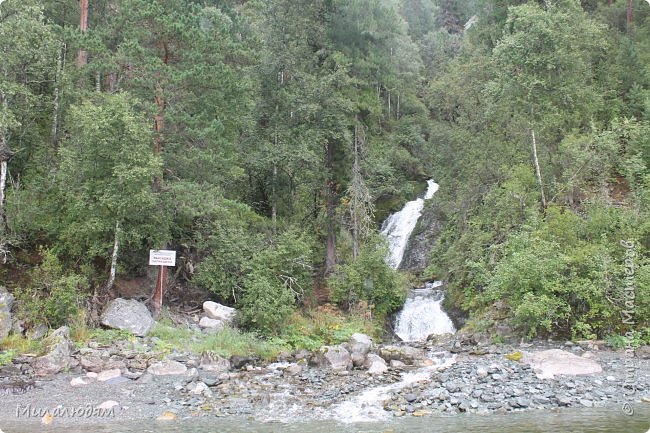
(266, 140)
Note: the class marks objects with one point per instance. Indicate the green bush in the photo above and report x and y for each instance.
(368, 278)
(264, 279)
(280, 276)
(54, 296)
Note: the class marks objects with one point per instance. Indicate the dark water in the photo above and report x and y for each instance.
(610, 420)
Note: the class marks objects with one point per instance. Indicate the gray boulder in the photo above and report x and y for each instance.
(552, 362)
(643, 352)
(128, 314)
(405, 354)
(6, 301)
(60, 348)
(360, 343)
(375, 364)
(166, 368)
(219, 312)
(212, 362)
(211, 325)
(334, 357)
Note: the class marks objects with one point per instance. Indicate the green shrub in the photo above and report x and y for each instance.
(54, 296)
(280, 276)
(6, 356)
(536, 313)
(368, 278)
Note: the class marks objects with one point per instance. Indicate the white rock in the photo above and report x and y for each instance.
(334, 357)
(78, 381)
(197, 388)
(375, 364)
(108, 404)
(128, 314)
(359, 343)
(211, 324)
(167, 368)
(91, 375)
(213, 362)
(105, 375)
(555, 361)
(220, 312)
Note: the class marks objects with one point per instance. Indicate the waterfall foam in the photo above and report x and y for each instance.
(422, 314)
(398, 227)
(369, 405)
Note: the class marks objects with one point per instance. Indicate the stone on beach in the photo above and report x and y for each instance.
(58, 356)
(217, 311)
(556, 361)
(6, 301)
(129, 315)
(164, 368)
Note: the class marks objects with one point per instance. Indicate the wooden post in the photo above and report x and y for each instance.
(163, 259)
(156, 302)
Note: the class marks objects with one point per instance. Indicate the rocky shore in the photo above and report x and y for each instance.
(352, 382)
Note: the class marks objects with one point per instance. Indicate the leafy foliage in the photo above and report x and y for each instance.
(54, 297)
(369, 278)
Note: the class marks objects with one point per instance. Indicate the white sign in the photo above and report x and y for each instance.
(162, 258)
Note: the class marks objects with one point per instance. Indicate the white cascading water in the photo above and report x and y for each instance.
(368, 406)
(398, 227)
(422, 314)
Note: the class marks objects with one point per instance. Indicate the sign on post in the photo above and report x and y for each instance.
(162, 258)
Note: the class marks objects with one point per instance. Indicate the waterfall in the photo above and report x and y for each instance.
(422, 314)
(398, 227)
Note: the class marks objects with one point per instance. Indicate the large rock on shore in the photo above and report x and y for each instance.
(334, 357)
(166, 368)
(375, 364)
(58, 357)
(359, 346)
(210, 361)
(217, 311)
(6, 301)
(552, 362)
(405, 354)
(360, 343)
(129, 315)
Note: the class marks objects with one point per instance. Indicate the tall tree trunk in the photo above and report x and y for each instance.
(116, 246)
(3, 183)
(630, 17)
(60, 64)
(5, 155)
(159, 126)
(274, 198)
(355, 204)
(111, 82)
(330, 207)
(389, 109)
(538, 171)
(397, 114)
(274, 176)
(82, 57)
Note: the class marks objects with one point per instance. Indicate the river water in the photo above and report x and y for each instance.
(603, 420)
